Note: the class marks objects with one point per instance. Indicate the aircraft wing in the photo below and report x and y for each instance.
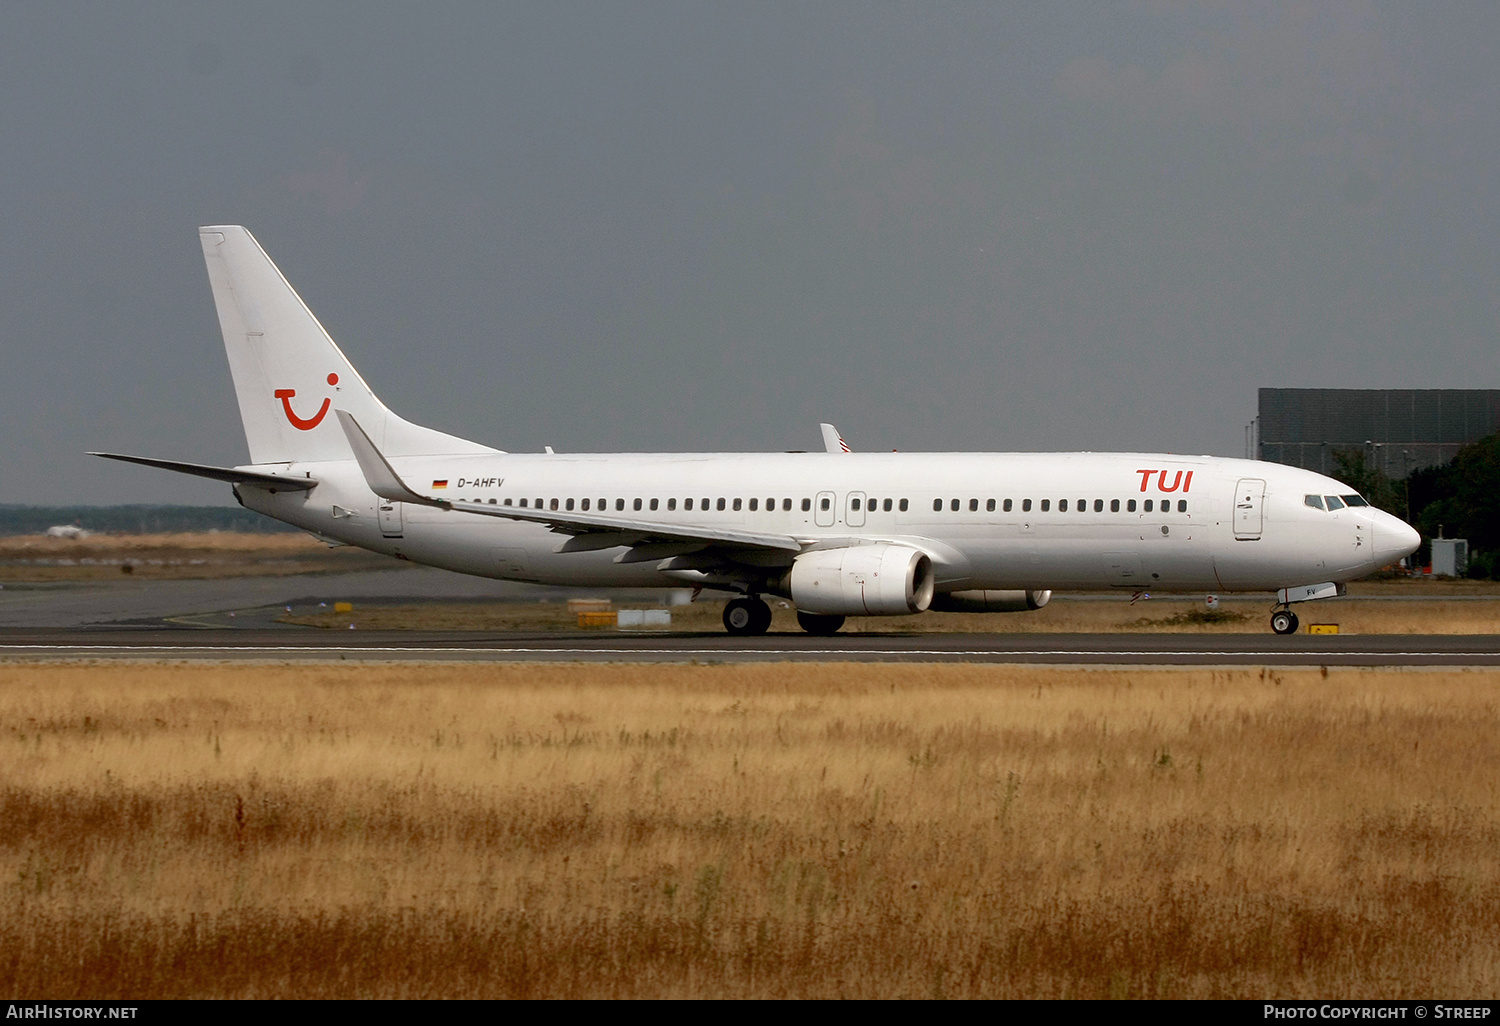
(649, 536)
(233, 475)
(586, 523)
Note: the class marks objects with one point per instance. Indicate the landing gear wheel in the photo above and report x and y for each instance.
(747, 616)
(1284, 621)
(820, 624)
(762, 615)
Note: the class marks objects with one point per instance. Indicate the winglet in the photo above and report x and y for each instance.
(382, 479)
(832, 440)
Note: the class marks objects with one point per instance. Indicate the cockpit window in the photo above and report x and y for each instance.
(1354, 500)
(1315, 501)
(1333, 502)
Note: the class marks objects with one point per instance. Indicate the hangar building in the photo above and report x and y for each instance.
(1398, 429)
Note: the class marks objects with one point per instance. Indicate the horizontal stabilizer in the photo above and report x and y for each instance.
(234, 475)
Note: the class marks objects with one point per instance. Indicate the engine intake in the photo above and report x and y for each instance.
(990, 601)
(862, 580)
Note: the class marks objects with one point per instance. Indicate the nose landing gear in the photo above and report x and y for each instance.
(747, 616)
(1284, 621)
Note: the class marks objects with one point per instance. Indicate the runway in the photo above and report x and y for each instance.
(455, 646)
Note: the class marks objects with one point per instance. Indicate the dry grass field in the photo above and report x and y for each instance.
(1182, 615)
(206, 554)
(746, 830)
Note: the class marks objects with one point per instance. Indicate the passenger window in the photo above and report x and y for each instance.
(886, 506)
(1315, 501)
(603, 505)
(1147, 506)
(1333, 502)
(523, 503)
(955, 505)
(492, 502)
(937, 505)
(1025, 505)
(507, 502)
(973, 505)
(903, 505)
(1114, 505)
(704, 505)
(552, 504)
(989, 506)
(1007, 505)
(854, 504)
(720, 504)
(806, 505)
(686, 504)
(737, 503)
(620, 504)
(754, 505)
(1098, 505)
(653, 503)
(786, 505)
(585, 505)
(539, 504)
(1083, 505)
(636, 505)
(1062, 505)
(1182, 505)
(823, 505)
(671, 504)
(770, 505)
(1130, 506)
(1046, 505)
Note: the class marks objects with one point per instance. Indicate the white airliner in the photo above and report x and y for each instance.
(838, 533)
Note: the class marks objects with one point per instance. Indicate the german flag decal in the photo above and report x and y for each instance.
(440, 484)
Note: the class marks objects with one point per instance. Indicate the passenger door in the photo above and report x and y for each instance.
(1249, 500)
(390, 517)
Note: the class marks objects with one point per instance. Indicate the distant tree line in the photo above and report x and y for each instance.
(136, 519)
(1461, 498)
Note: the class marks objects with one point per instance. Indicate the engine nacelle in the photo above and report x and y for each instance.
(990, 601)
(861, 580)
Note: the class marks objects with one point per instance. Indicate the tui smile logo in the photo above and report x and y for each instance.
(286, 395)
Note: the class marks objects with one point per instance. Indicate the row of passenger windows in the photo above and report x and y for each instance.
(655, 504)
(875, 505)
(1082, 506)
(1334, 502)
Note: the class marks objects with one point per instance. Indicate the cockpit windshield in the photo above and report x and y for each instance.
(1354, 500)
(1333, 502)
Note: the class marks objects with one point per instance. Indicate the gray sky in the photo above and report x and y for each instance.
(698, 226)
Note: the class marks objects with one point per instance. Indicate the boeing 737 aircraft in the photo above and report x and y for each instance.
(838, 533)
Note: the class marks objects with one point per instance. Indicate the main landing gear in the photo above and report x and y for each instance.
(821, 624)
(1284, 621)
(751, 615)
(747, 616)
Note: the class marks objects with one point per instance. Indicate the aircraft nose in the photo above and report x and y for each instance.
(1394, 539)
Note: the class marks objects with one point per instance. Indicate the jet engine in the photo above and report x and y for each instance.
(990, 601)
(861, 580)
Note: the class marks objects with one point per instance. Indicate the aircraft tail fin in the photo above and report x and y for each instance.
(288, 373)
